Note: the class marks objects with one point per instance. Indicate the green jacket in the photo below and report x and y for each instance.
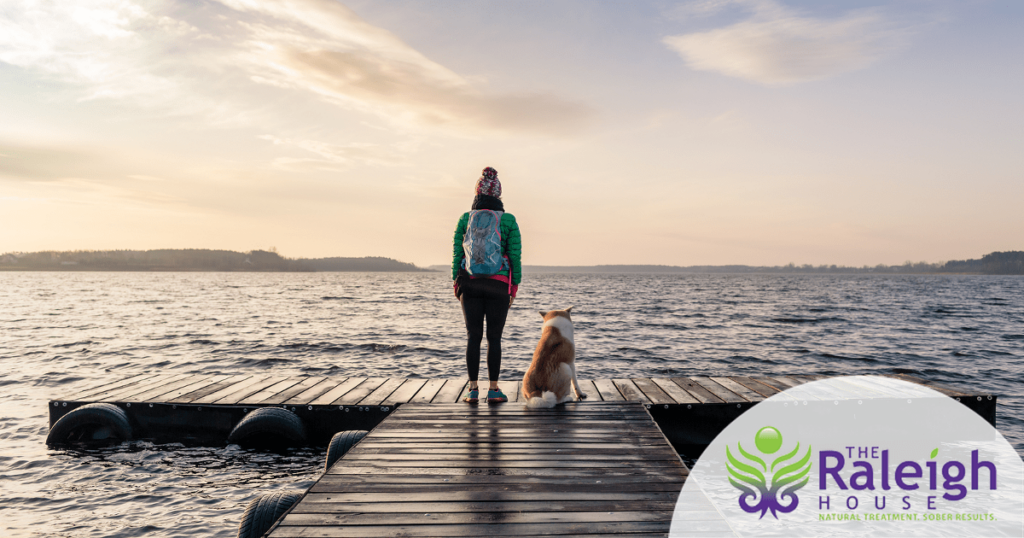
(511, 246)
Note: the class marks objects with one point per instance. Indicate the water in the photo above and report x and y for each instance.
(65, 331)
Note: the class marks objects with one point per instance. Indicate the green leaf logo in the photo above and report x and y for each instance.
(752, 476)
(935, 453)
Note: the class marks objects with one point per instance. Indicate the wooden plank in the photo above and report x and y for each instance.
(569, 409)
(271, 391)
(155, 394)
(405, 392)
(478, 450)
(209, 389)
(553, 434)
(766, 391)
(469, 426)
(735, 387)
(361, 391)
(214, 396)
(703, 534)
(449, 478)
(241, 393)
(307, 396)
(780, 383)
(142, 384)
(467, 518)
(139, 388)
(588, 388)
(314, 391)
(494, 433)
(378, 456)
(609, 392)
(542, 416)
(675, 391)
(630, 392)
(590, 405)
(428, 391)
(470, 423)
(561, 505)
(105, 387)
(289, 529)
(504, 465)
(653, 392)
(295, 390)
(517, 388)
(719, 391)
(335, 394)
(476, 482)
(504, 496)
(207, 381)
(372, 443)
(381, 393)
(702, 394)
(451, 391)
(339, 469)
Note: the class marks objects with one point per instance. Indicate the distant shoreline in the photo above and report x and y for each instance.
(996, 263)
(194, 260)
(225, 261)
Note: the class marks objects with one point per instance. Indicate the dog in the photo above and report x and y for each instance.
(551, 378)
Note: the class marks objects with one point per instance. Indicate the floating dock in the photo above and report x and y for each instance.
(434, 467)
(595, 469)
(203, 408)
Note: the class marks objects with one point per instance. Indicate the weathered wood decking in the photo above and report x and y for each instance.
(595, 469)
(435, 467)
(204, 407)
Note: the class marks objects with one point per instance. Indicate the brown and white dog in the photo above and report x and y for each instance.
(551, 378)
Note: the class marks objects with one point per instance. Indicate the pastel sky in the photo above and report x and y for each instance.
(754, 132)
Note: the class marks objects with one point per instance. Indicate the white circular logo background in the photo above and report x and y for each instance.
(855, 456)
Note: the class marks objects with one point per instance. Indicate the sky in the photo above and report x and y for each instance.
(707, 132)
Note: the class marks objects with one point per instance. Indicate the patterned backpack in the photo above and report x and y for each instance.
(482, 243)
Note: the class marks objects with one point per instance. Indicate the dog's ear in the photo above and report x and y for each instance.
(543, 314)
(570, 308)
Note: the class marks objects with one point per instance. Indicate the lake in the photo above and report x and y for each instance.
(65, 331)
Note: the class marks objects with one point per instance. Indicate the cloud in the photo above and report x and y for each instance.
(777, 46)
(333, 156)
(211, 60)
(37, 163)
(102, 46)
(322, 47)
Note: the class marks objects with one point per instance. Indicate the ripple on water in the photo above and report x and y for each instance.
(368, 324)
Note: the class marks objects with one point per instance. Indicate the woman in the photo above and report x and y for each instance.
(490, 293)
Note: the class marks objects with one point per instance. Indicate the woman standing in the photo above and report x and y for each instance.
(486, 290)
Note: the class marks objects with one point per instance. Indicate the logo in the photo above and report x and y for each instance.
(752, 476)
(855, 456)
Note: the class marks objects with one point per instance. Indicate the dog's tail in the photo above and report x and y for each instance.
(547, 399)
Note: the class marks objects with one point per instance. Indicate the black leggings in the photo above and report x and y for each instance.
(484, 297)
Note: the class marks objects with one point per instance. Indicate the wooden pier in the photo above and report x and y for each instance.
(446, 470)
(203, 408)
(607, 466)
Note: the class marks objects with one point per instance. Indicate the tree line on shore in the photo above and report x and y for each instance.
(995, 263)
(190, 260)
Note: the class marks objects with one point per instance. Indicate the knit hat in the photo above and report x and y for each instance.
(488, 183)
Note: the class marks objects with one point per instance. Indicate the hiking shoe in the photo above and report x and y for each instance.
(496, 396)
(473, 396)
